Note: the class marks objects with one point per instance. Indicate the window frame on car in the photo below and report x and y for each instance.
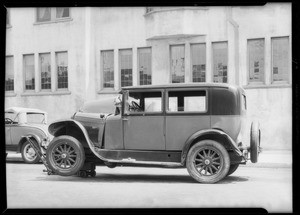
(187, 112)
(143, 113)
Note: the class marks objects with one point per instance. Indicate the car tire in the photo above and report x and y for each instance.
(208, 161)
(65, 155)
(232, 168)
(28, 153)
(254, 142)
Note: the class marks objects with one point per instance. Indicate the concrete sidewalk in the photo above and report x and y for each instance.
(267, 158)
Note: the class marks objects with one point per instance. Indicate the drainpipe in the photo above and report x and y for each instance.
(236, 44)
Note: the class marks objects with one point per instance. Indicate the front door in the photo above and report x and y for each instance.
(143, 120)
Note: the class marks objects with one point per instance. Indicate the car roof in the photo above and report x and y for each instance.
(183, 85)
(23, 110)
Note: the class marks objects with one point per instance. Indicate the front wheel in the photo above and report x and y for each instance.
(65, 155)
(208, 161)
(28, 154)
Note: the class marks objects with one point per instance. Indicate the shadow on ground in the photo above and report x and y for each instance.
(135, 178)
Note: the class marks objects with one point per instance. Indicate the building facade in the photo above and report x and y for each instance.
(58, 58)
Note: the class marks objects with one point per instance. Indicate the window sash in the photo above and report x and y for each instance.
(178, 63)
(126, 67)
(62, 70)
(198, 62)
(144, 65)
(256, 60)
(45, 71)
(43, 14)
(108, 68)
(280, 59)
(29, 72)
(9, 73)
(220, 62)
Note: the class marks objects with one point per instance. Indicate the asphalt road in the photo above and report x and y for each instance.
(135, 187)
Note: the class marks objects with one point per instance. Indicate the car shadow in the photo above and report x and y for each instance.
(136, 178)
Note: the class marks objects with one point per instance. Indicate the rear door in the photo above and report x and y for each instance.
(186, 113)
(143, 120)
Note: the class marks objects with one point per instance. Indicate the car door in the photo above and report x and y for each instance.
(143, 120)
(186, 113)
(9, 123)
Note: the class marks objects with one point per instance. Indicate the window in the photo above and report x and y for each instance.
(198, 57)
(126, 67)
(9, 73)
(62, 70)
(149, 102)
(46, 14)
(187, 101)
(177, 63)
(62, 12)
(108, 68)
(7, 17)
(45, 69)
(256, 62)
(220, 61)
(280, 59)
(29, 72)
(13, 117)
(144, 65)
(37, 118)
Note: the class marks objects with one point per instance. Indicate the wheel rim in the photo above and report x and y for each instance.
(64, 156)
(29, 153)
(208, 162)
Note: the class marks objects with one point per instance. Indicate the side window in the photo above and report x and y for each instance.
(13, 118)
(187, 101)
(143, 102)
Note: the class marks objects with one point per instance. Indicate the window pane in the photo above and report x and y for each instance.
(187, 101)
(9, 73)
(198, 52)
(38, 118)
(126, 67)
(143, 102)
(29, 72)
(256, 60)
(43, 14)
(220, 61)
(62, 12)
(45, 69)
(108, 69)
(62, 70)
(280, 62)
(145, 69)
(177, 64)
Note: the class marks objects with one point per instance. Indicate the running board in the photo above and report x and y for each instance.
(154, 158)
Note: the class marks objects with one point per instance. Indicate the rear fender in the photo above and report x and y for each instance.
(208, 134)
(31, 136)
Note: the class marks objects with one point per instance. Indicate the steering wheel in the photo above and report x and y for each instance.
(135, 106)
(8, 121)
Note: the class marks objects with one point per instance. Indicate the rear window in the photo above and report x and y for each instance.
(225, 102)
(187, 101)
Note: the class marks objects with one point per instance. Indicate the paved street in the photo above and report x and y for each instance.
(123, 187)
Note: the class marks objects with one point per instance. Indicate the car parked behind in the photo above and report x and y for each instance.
(20, 122)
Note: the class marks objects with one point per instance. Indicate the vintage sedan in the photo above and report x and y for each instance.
(21, 122)
(197, 126)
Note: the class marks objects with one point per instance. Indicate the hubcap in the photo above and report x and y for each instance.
(208, 162)
(64, 156)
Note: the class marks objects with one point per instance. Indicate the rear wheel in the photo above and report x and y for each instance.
(65, 155)
(208, 161)
(28, 154)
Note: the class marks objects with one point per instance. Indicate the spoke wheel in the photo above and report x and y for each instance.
(208, 161)
(65, 155)
(28, 154)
